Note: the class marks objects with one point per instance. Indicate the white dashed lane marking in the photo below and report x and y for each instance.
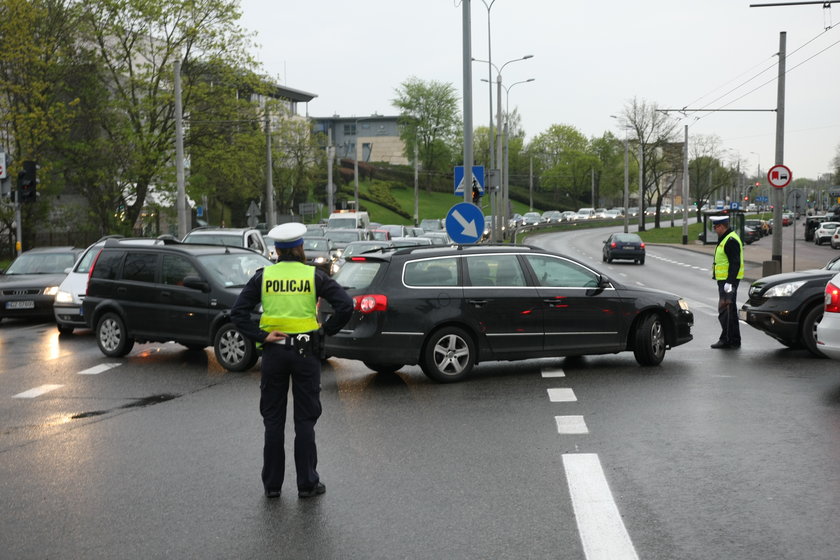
(553, 372)
(97, 369)
(36, 392)
(561, 395)
(571, 425)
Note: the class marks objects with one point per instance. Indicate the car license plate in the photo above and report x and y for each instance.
(629, 248)
(742, 315)
(25, 304)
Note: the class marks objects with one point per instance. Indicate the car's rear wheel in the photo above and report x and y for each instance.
(383, 368)
(649, 347)
(642, 260)
(809, 329)
(112, 336)
(233, 350)
(449, 355)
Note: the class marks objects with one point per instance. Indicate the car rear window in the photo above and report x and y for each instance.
(431, 272)
(358, 275)
(107, 265)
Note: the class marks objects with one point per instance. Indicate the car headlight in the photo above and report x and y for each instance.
(784, 290)
(684, 305)
(320, 260)
(50, 290)
(62, 296)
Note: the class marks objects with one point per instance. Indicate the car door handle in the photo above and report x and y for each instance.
(477, 302)
(121, 290)
(166, 294)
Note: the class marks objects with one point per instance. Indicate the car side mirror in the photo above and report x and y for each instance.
(196, 283)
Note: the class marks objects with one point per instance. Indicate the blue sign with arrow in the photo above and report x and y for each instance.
(465, 223)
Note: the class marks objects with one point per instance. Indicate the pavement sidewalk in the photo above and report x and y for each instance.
(755, 255)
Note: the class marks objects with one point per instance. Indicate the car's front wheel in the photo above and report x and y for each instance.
(65, 329)
(649, 348)
(809, 329)
(233, 350)
(112, 336)
(449, 355)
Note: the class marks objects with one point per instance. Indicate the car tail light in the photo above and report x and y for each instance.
(613, 245)
(370, 303)
(642, 245)
(92, 266)
(832, 298)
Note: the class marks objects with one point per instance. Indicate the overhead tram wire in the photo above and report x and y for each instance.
(817, 36)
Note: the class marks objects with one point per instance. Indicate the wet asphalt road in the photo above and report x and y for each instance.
(712, 455)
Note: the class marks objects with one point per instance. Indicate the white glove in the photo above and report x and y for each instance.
(727, 288)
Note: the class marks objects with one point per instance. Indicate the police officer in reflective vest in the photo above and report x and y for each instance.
(728, 271)
(289, 334)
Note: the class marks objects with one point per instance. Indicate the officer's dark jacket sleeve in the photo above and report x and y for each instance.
(240, 313)
(733, 253)
(341, 303)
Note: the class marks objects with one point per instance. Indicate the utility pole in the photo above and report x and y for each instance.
(330, 160)
(269, 176)
(778, 195)
(685, 189)
(468, 117)
(181, 199)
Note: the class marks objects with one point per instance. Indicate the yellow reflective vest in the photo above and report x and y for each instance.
(288, 298)
(722, 261)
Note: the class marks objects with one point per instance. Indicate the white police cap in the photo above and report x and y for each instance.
(719, 219)
(288, 235)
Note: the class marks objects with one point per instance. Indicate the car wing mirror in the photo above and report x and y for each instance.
(602, 284)
(196, 283)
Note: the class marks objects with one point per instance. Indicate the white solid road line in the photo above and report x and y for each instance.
(561, 395)
(571, 425)
(98, 369)
(601, 530)
(36, 392)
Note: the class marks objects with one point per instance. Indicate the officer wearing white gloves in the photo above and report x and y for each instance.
(289, 334)
(728, 270)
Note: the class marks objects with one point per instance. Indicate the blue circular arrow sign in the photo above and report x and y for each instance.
(465, 223)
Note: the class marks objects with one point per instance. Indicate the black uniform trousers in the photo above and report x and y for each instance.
(280, 365)
(730, 329)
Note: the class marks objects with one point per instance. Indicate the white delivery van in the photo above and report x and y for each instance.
(348, 219)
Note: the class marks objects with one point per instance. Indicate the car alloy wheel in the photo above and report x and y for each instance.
(112, 336)
(233, 351)
(449, 355)
(649, 347)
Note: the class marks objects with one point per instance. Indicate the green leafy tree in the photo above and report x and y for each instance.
(565, 162)
(136, 42)
(430, 119)
(36, 106)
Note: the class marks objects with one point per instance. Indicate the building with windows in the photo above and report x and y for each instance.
(375, 138)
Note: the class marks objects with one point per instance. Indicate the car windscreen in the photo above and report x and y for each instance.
(233, 269)
(42, 263)
(315, 244)
(357, 275)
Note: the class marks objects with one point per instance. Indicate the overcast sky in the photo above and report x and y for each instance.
(591, 57)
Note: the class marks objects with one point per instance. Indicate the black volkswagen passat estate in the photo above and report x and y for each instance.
(449, 308)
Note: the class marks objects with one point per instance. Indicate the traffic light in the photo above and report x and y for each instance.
(28, 182)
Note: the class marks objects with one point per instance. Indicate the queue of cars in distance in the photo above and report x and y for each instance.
(450, 308)
(29, 285)
(789, 306)
(232, 237)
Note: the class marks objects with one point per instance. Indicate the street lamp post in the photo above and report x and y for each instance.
(506, 172)
(495, 203)
(626, 178)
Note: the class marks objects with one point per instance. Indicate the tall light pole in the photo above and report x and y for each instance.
(495, 203)
(506, 172)
(626, 176)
